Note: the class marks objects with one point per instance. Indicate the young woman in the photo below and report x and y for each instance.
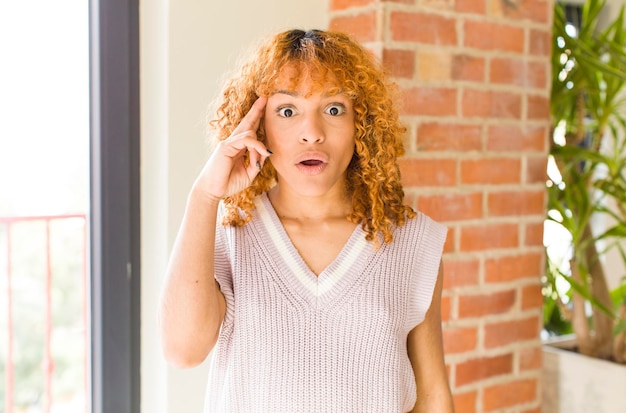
(298, 263)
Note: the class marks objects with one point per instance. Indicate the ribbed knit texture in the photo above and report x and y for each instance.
(294, 342)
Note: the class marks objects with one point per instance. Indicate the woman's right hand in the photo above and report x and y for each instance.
(225, 173)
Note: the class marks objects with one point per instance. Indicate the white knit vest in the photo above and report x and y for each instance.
(294, 342)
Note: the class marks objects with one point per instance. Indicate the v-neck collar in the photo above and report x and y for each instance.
(340, 273)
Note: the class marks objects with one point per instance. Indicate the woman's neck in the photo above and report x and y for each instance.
(288, 204)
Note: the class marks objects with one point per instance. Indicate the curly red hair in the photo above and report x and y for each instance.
(373, 176)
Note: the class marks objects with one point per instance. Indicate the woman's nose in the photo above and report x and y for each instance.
(312, 130)
(311, 139)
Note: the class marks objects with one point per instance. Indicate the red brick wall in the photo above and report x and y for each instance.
(475, 81)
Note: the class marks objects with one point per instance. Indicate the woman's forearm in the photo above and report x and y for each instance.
(192, 306)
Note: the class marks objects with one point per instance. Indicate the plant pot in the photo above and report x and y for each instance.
(573, 383)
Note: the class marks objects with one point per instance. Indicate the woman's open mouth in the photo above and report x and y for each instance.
(311, 166)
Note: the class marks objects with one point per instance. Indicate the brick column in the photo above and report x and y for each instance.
(475, 79)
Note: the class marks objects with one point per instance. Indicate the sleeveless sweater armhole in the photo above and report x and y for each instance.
(222, 261)
(427, 259)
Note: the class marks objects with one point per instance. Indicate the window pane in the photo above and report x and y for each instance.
(44, 202)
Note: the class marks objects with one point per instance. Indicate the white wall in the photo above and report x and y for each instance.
(186, 47)
(611, 11)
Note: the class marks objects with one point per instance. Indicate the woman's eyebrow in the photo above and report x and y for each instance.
(294, 93)
(286, 92)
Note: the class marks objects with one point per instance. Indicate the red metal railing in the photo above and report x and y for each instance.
(10, 224)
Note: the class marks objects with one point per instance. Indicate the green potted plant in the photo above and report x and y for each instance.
(587, 104)
(588, 184)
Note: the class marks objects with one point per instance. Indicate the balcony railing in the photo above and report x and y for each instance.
(44, 287)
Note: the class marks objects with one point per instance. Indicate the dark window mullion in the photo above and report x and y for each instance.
(114, 49)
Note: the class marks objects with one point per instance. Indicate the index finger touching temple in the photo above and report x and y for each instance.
(252, 119)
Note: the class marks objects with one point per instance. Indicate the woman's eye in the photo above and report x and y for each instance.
(285, 112)
(335, 110)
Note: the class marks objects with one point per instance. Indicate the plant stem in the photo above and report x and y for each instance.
(619, 342)
(602, 322)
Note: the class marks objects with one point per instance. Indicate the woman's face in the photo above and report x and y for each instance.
(311, 133)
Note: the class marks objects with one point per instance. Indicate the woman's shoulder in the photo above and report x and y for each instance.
(420, 230)
(420, 223)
